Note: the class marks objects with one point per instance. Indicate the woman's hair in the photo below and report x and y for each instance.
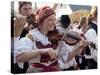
(82, 21)
(43, 13)
(21, 3)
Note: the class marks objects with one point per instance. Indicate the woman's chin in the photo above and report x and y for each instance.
(51, 29)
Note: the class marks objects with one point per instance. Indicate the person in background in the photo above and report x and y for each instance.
(91, 35)
(82, 26)
(63, 23)
(19, 21)
(35, 48)
(25, 10)
(69, 49)
(81, 30)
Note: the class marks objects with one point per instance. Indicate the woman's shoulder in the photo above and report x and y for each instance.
(25, 40)
(33, 31)
(38, 36)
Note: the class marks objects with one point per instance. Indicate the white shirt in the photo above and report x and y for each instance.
(38, 36)
(92, 37)
(25, 45)
(65, 49)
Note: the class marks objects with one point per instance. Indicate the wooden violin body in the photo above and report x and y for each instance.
(54, 36)
(31, 20)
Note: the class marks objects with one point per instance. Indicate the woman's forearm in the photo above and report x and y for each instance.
(27, 56)
(73, 53)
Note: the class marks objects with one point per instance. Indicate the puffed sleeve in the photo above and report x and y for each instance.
(65, 52)
(64, 55)
(24, 45)
(91, 35)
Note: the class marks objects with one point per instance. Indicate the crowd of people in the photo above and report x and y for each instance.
(42, 43)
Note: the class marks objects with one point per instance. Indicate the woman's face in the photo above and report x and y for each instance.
(49, 23)
(26, 10)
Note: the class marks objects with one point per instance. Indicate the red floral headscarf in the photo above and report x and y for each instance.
(43, 13)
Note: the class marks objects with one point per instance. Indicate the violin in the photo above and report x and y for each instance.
(31, 20)
(54, 36)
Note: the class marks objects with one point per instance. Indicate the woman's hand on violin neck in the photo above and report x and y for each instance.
(50, 51)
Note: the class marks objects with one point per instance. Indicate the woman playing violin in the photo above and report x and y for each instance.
(67, 53)
(35, 48)
(68, 48)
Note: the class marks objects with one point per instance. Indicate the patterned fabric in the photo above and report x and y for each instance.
(43, 13)
(45, 64)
